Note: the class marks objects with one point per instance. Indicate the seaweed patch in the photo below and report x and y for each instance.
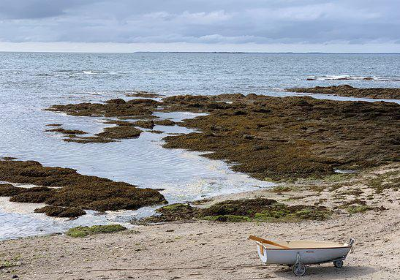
(71, 191)
(349, 91)
(265, 137)
(245, 210)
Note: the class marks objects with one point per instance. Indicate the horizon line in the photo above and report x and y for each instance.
(193, 52)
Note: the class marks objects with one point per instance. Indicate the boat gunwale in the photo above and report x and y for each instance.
(323, 248)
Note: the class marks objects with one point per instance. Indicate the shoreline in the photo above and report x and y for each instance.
(217, 250)
(267, 138)
(298, 141)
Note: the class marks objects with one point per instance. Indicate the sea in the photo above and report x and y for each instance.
(31, 82)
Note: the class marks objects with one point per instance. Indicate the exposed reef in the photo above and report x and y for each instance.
(266, 137)
(9, 158)
(305, 199)
(139, 109)
(149, 124)
(68, 132)
(246, 210)
(61, 212)
(293, 137)
(120, 130)
(144, 94)
(9, 190)
(349, 91)
(54, 124)
(85, 231)
(165, 122)
(135, 108)
(70, 191)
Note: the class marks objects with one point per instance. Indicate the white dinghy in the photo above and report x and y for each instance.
(298, 254)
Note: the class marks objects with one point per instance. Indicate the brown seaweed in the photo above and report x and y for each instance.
(291, 137)
(73, 189)
(349, 91)
(266, 137)
(258, 209)
(61, 212)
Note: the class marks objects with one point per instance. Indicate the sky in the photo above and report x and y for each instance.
(200, 25)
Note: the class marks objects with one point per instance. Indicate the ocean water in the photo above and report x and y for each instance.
(30, 82)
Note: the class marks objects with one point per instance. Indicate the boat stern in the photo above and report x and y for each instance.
(262, 252)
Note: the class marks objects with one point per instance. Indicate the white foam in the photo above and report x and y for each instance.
(351, 78)
(90, 73)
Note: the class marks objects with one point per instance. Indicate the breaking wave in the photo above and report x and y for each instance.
(352, 78)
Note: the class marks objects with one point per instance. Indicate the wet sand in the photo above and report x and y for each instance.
(214, 250)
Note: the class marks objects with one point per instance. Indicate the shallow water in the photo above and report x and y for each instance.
(30, 82)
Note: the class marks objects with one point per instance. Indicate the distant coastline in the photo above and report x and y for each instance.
(196, 52)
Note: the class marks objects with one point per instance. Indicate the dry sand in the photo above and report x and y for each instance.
(213, 250)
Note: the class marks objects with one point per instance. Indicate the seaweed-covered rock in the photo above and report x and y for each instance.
(66, 131)
(61, 212)
(76, 190)
(245, 210)
(176, 212)
(347, 90)
(115, 101)
(267, 137)
(54, 124)
(9, 190)
(165, 122)
(33, 195)
(144, 94)
(9, 158)
(239, 207)
(85, 231)
(145, 124)
(293, 137)
(263, 209)
(120, 132)
(112, 108)
(115, 203)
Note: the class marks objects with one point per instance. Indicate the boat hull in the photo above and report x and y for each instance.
(307, 256)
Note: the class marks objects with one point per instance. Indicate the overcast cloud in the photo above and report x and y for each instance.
(208, 22)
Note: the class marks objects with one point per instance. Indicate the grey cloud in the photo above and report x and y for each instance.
(36, 9)
(200, 21)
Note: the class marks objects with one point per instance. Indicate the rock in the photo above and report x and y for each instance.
(74, 192)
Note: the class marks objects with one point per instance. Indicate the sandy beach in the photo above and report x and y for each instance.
(215, 250)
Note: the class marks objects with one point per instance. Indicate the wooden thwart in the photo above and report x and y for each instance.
(261, 240)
